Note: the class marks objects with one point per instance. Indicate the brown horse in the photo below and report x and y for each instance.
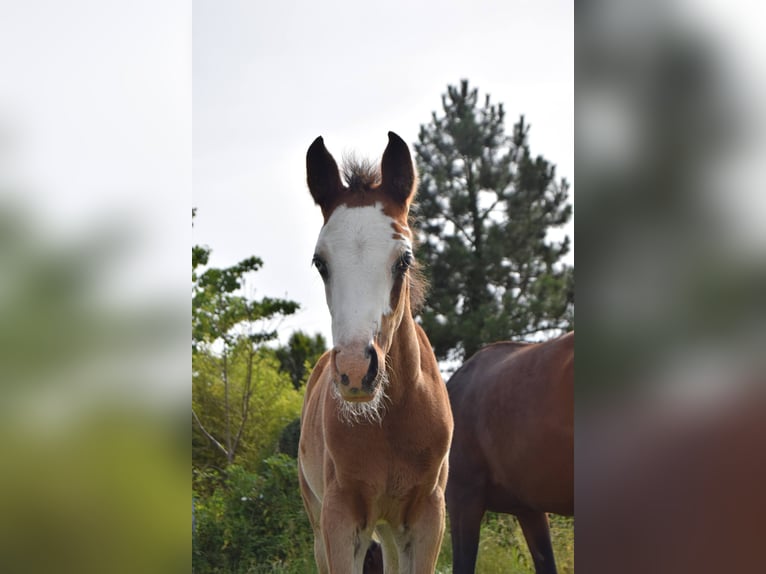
(512, 450)
(376, 421)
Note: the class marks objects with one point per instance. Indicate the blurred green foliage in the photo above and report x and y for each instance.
(84, 497)
(95, 461)
(63, 324)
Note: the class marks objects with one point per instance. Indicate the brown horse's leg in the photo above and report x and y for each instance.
(346, 537)
(538, 537)
(466, 510)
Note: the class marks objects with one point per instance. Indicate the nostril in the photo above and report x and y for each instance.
(344, 380)
(372, 370)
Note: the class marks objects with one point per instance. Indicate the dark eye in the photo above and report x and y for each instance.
(404, 262)
(321, 266)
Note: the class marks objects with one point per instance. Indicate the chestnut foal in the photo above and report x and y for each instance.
(376, 421)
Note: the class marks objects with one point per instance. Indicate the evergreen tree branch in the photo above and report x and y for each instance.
(485, 214)
(460, 228)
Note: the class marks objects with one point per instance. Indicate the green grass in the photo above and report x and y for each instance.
(503, 550)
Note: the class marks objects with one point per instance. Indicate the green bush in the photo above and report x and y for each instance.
(254, 523)
(289, 438)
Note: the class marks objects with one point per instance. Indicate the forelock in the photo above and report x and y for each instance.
(360, 175)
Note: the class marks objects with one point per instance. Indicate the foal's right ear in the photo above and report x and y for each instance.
(322, 173)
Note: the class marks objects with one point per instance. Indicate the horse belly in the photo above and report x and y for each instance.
(546, 490)
(530, 464)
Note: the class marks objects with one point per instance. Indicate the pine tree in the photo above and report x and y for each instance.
(485, 206)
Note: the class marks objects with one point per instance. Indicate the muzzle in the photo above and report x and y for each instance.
(355, 371)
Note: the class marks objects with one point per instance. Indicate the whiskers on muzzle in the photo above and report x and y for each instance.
(370, 412)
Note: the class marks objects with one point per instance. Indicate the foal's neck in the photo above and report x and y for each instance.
(403, 359)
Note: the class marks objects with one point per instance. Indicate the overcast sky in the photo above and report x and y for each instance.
(269, 77)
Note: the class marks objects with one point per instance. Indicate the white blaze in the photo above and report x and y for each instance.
(358, 246)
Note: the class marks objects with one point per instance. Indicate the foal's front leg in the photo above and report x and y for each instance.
(345, 532)
(419, 546)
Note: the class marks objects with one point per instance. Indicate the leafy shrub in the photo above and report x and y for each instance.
(254, 523)
(289, 438)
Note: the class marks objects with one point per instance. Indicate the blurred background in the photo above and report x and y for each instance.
(671, 259)
(95, 179)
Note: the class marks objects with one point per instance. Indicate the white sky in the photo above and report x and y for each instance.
(269, 77)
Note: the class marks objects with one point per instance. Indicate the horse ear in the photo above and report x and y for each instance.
(397, 171)
(322, 173)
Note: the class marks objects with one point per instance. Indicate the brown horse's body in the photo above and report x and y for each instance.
(512, 451)
(381, 470)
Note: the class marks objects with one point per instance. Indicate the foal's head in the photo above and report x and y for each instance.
(364, 255)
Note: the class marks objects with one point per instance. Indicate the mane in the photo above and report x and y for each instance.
(418, 288)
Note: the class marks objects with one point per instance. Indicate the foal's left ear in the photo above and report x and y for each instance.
(397, 171)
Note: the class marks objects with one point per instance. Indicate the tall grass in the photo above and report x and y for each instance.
(503, 550)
